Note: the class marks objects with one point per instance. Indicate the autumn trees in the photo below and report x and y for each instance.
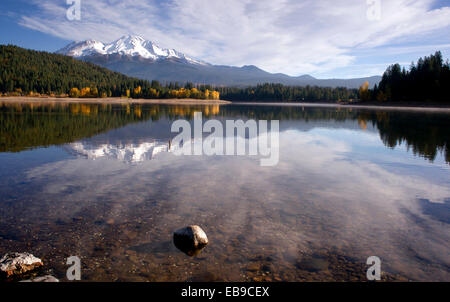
(149, 93)
(364, 93)
(194, 93)
(74, 93)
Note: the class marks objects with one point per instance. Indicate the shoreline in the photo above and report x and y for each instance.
(408, 107)
(67, 100)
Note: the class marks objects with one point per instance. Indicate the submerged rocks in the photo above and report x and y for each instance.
(47, 278)
(14, 264)
(314, 263)
(190, 240)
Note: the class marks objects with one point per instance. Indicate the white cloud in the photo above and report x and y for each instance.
(277, 35)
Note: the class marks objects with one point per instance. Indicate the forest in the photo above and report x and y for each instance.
(426, 81)
(281, 93)
(26, 72)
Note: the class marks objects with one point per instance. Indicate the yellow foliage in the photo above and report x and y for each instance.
(85, 92)
(137, 91)
(215, 95)
(364, 93)
(94, 92)
(74, 93)
(153, 93)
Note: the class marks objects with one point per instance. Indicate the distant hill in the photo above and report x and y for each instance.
(137, 57)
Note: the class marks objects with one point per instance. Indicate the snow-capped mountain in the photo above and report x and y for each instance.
(136, 57)
(133, 46)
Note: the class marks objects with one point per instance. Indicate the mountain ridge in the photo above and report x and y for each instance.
(144, 59)
(127, 45)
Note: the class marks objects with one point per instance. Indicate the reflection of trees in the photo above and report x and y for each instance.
(26, 126)
(426, 134)
(290, 113)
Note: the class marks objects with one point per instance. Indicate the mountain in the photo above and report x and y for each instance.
(131, 46)
(137, 57)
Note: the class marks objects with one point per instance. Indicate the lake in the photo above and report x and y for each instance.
(100, 182)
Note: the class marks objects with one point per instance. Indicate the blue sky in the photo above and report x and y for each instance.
(340, 38)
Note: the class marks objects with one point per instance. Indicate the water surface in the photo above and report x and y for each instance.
(99, 182)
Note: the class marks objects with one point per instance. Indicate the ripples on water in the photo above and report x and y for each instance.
(97, 181)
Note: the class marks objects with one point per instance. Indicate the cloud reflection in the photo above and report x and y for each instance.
(320, 193)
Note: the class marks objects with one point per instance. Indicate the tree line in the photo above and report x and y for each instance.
(426, 81)
(271, 92)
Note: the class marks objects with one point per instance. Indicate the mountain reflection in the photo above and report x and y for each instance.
(27, 126)
(131, 153)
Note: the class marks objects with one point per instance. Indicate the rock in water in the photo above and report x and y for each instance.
(47, 278)
(190, 240)
(13, 264)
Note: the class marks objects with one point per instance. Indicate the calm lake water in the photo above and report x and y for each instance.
(98, 182)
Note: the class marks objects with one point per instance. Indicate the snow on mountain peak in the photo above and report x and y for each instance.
(129, 45)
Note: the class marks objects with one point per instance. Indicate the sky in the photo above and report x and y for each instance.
(326, 39)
